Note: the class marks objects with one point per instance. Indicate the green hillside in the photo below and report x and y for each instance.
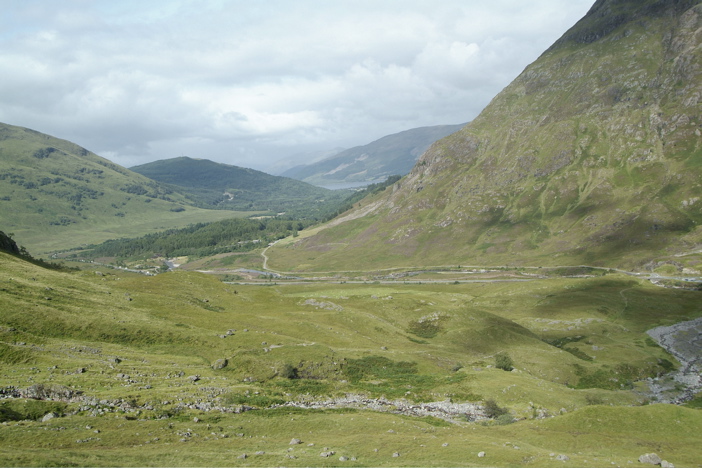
(223, 186)
(56, 195)
(391, 155)
(593, 155)
(181, 369)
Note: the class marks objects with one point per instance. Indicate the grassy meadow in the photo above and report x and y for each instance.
(144, 352)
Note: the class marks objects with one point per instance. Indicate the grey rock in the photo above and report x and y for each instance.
(295, 441)
(49, 416)
(220, 364)
(666, 464)
(481, 454)
(396, 454)
(562, 457)
(49, 392)
(194, 378)
(243, 456)
(650, 458)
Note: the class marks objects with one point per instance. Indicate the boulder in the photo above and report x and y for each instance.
(295, 441)
(481, 454)
(49, 416)
(666, 464)
(220, 364)
(650, 459)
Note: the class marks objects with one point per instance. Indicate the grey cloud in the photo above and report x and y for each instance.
(247, 83)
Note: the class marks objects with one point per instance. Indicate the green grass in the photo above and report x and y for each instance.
(340, 339)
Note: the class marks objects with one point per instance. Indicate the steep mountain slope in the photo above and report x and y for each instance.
(231, 187)
(592, 155)
(55, 194)
(391, 155)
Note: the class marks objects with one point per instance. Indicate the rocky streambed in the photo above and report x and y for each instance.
(446, 410)
(684, 341)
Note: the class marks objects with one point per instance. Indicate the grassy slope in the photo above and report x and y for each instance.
(591, 156)
(250, 189)
(161, 325)
(390, 155)
(56, 195)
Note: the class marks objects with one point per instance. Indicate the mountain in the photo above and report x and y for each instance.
(300, 160)
(391, 155)
(592, 155)
(55, 195)
(231, 187)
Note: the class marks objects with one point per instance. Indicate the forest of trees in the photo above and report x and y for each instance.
(202, 239)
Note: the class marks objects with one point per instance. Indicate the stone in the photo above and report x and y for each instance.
(220, 364)
(396, 454)
(650, 458)
(49, 416)
(49, 392)
(295, 441)
(194, 378)
(562, 457)
(666, 464)
(342, 458)
(243, 456)
(327, 454)
(481, 454)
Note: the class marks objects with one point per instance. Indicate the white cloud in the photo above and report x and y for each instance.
(249, 82)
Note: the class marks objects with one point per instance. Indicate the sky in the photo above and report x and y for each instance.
(260, 84)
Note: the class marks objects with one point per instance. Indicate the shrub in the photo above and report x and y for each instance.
(288, 372)
(492, 410)
(504, 362)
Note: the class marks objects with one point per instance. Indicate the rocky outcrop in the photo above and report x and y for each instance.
(8, 245)
(448, 411)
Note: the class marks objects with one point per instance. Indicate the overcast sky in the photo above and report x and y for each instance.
(251, 82)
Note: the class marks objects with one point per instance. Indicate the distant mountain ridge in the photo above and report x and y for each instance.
(213, 184)
(593, 155)
(394, 154)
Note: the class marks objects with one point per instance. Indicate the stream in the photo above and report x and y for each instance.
(684, 341)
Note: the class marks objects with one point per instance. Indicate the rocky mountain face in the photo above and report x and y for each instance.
(592, 155)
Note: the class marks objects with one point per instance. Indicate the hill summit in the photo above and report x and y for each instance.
(592, 155)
